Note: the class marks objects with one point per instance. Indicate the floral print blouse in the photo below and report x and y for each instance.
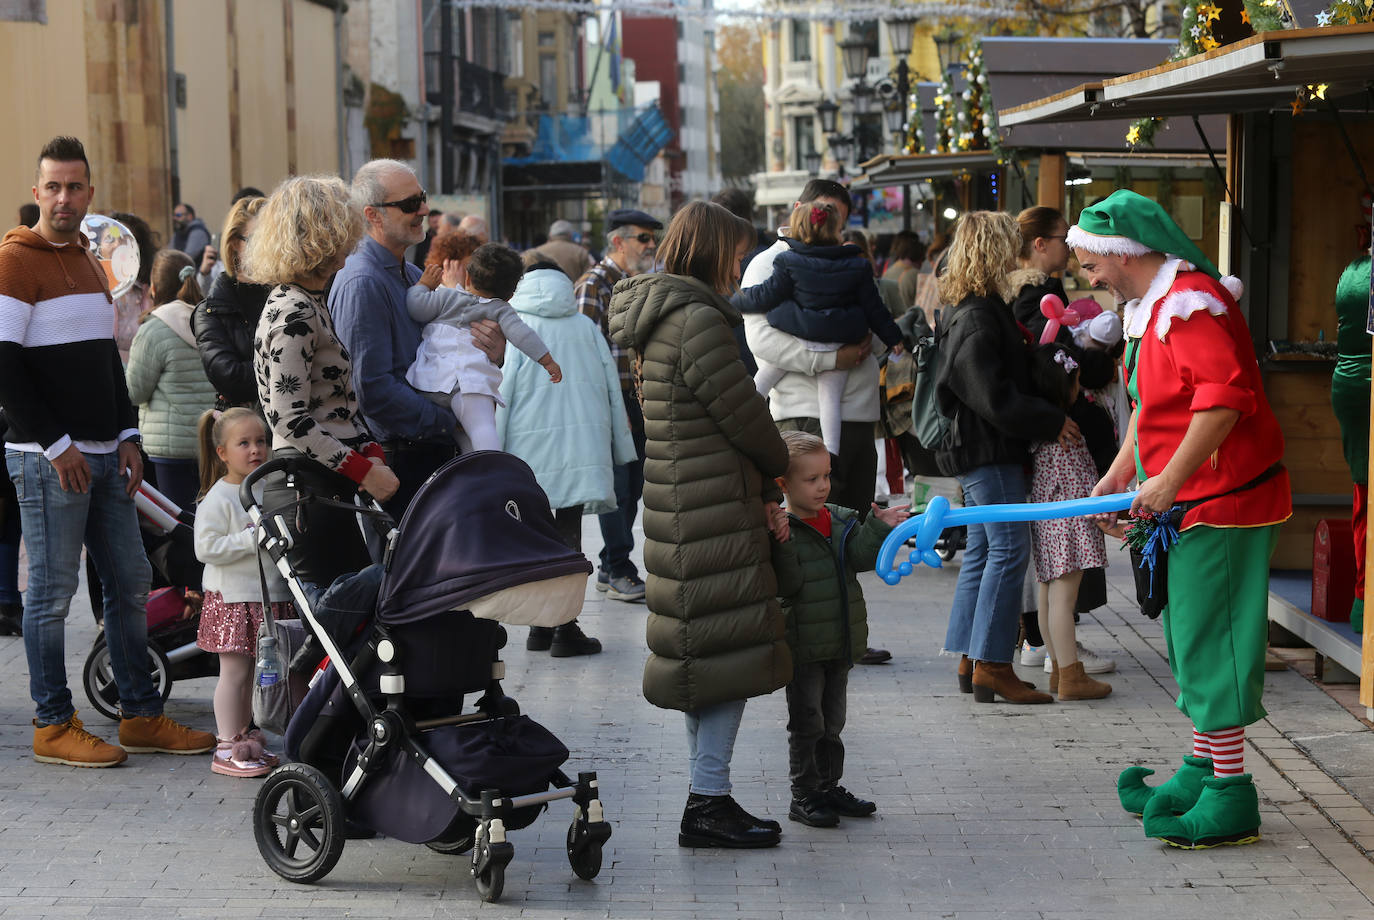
(305, 385)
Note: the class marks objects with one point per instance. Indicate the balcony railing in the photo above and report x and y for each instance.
(476, 90)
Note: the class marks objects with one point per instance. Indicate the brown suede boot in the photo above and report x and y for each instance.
(1075, 684)
(965, 674)
(1054, 676)
(990, 677)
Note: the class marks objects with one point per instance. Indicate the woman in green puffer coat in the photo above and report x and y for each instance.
(166, 378)
(715, 629)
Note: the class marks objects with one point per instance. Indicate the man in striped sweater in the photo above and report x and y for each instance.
(72, 453)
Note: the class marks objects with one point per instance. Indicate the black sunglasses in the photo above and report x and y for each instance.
(405, 205)
(644, 238)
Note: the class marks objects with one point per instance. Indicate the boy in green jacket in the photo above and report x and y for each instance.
(827, 626)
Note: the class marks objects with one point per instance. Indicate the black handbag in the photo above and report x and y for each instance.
(1152, 580)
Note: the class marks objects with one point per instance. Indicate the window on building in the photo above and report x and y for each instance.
(867, 30)
(803, 140)
(801, 39)
(548, 80)
(514, 65)
(548, 39)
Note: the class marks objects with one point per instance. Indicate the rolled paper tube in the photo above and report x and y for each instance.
(154, 513)
(938, 516)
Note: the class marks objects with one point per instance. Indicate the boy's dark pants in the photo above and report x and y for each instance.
(815, 717)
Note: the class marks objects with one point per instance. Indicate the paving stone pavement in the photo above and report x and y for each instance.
(983, 810)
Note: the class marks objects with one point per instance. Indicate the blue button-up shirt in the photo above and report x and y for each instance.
(368, 303)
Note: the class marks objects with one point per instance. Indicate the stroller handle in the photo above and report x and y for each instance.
(295, 464)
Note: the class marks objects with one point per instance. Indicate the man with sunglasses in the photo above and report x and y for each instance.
(631, 245)
(368, 303)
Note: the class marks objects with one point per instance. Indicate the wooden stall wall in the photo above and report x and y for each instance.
(1325, 210)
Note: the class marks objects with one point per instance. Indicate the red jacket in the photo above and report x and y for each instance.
(1196, 354)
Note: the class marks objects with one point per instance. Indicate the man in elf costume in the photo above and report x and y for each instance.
(1202, 433)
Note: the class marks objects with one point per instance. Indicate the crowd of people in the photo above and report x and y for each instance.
(729, 383)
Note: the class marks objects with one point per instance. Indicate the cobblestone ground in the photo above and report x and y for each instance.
(983, 810)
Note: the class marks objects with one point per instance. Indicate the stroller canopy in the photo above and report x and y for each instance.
(480, 525)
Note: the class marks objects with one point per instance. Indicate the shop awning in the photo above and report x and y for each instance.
(1260, 73)
(884, 171)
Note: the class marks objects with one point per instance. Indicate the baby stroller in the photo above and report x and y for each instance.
(168, 539)
(381, 739)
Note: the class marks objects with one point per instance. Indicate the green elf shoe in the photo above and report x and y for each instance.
(1357, 615)
(1183, 787)
(1226, 814)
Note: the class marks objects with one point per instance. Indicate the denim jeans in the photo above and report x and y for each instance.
(9, 552)
(710, 745)
(617, 527)
(987, 596)
(56, 522)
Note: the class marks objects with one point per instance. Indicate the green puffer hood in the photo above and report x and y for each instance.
(642, 302)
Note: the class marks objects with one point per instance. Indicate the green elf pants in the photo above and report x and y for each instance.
(1216, 624)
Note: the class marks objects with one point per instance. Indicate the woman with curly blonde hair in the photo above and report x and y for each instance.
(983, 386)
(303, 235)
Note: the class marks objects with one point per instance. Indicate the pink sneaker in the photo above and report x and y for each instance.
(235, 758)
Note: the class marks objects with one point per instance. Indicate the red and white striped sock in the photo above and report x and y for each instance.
(1228, 751)
(1201, 746)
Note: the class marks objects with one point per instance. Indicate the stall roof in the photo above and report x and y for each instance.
(1259, 73)
(1024, 69)
(911, 169)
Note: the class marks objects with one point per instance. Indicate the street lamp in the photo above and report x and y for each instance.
(946, 45)
(827, 110)
(841, 146)
(854, 52)
(895, 119)
(863, 98)
(812, 161)
(901, 32)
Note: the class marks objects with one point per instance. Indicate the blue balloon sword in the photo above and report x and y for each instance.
(927, 526)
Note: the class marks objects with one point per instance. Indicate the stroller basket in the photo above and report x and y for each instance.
(382, 736)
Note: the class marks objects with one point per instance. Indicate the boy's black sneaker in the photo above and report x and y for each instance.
(847, 804)
(813, 810)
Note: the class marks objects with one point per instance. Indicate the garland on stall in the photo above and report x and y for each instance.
(947, 112)
(666, 10)
(1196, 24)
(977, 117)
(1347, 12)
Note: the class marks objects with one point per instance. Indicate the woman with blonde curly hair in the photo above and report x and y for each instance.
(983, 386)
(304, 233)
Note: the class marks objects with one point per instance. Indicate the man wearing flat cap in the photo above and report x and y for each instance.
(631, 242)
(1204, 447)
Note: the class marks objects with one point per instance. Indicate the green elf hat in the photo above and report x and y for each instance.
(1125, 223)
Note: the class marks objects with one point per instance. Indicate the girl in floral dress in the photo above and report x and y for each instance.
(1063, 547)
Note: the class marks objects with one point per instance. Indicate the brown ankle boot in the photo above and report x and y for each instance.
(1075, 684)
(1054, 676)
(965, 674)
(990, 677)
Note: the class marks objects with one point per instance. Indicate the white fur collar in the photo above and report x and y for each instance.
(1180, 305)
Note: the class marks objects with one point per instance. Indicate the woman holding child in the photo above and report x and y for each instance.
(715, 629)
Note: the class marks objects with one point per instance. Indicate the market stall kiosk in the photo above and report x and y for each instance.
(1297, 159)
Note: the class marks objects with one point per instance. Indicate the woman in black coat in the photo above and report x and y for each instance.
(983, 386)
(224, 322)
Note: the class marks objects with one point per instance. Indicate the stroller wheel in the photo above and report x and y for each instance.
(491, 881)
(98, 678)
(451, 848)
(298, 822)
(584, 850)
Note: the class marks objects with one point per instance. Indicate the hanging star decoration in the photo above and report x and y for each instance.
(1324, 18)
(1210, 12)
(1319, 90)
(1133, 135)
(1298, 104)
(1245, 14)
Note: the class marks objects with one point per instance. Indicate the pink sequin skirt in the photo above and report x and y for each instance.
(226, 627)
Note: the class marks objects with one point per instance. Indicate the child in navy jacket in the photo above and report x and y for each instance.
(824, 293)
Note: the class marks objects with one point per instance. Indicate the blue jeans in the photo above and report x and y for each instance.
(56, 522)
(617, 527)
(9, 555)
(710, 745)
(987, 596)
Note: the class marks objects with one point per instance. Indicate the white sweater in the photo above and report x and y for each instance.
(794, 396)
(227, 543)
